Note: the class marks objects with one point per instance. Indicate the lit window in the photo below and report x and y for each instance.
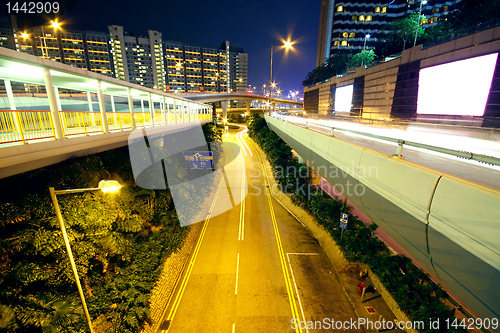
(377, 9)
(336, 42)
(339, 8)
(445, 8)
(352, 34)
(384, 9)
(369, 18)
(354, 18)
(345, 34)
(344, 43)
(361, 17)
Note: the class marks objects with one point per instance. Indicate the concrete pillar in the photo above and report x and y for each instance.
(248, 104)
(52, 103)
(175, 111)
(224, 109)
(151, 110)
(91, 109)
(12, 106)
(131, 107)
(165, 111)
(113, 108)
(102, 108)
(183, 112)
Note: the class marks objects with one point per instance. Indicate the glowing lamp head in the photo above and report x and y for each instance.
(109, 185)
(56, 25)
(25, 35)
(224, 120)
(288, 44)
(367, 36)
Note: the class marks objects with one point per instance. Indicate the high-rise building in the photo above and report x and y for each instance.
(138, 59)
(145, 60)
(83, 49)
(194, 68)
(351, 26)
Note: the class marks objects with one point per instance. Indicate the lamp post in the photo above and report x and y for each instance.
(364, 46)
(287, 45)
(105, 186)
(366, 38)
(422, 2)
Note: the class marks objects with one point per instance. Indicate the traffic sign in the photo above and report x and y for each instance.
(199, 159)
(344, 219)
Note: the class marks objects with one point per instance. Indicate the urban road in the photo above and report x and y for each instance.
(255, 267)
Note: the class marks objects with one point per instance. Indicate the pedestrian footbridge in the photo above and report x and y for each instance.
(51, 111)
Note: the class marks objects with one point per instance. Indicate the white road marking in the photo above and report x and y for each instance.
(295, 284)
(234, 327)
(237, 272)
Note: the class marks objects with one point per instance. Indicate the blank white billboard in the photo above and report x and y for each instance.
(458, 88)
(343, 98)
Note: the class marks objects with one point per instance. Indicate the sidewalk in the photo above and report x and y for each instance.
(373, 308)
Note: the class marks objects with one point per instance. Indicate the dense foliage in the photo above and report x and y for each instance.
(412, 289)
(119, 242)
(237, 118)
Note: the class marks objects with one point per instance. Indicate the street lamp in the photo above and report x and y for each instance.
(105, 186)
(422, 2)
(287, 45)
(366, 38)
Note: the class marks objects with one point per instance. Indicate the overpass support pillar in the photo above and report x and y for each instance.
(151, 110)
(224, 109)
(274, 106)
(248, 103)
(102, 107)
(131, 107)
(51, 95)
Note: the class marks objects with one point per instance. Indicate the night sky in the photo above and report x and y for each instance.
(256, 24)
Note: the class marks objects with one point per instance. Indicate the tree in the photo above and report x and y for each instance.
(364, 57)
(404, 29)
(334, 65)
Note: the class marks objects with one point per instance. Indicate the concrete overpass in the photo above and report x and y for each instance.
(448, 224)
(224, 98)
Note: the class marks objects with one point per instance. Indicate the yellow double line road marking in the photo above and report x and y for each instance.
(288, 283)
(182, 288)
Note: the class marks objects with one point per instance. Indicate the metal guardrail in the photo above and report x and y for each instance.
(23, 126)
(461, 154)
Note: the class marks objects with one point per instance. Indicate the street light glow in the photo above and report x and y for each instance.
(109, 185)
(25, 35)
(56, 24)
(288, 44)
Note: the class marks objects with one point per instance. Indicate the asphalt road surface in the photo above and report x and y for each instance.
(254, 268)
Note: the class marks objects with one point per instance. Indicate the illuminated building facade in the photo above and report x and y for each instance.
(138, 60)
(193, 68)
(146, 60)
(83, 49)
(351, 26)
